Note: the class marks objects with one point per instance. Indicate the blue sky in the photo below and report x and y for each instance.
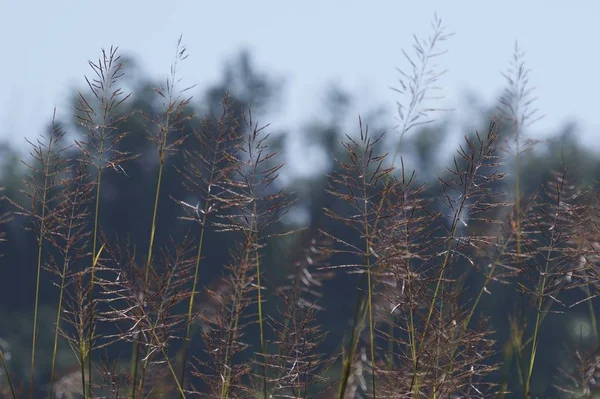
(46, 45)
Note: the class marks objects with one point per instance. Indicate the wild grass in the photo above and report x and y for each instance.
(417, 330)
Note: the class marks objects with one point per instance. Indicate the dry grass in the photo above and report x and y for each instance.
(416, 333)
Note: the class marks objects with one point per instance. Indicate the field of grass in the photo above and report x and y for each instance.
(417, 331)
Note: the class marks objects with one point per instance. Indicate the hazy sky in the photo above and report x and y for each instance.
(46, 45)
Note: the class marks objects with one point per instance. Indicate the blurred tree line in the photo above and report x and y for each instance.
(127, 197)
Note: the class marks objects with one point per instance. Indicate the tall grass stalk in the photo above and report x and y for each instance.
(171, 120)
(516, 108)
(41, 185)
(101, 125)
(417, 86)
(206, 176)
(47, 168)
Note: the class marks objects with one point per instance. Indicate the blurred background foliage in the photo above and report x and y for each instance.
(127, 201)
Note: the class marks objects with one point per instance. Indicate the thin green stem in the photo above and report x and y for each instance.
(369, 286)
(359, 318)
(154, 213)
(58, 313)
(39, 271)
(535, 341)
(412, 335)
(161, 155)
(371, 331)
(186, 341)
(134, 368)
(82, 354)
(232, 330)
(540, 315)
(263, 349)
(94, 244)
(359, 323)
(438, 349)
(8, 379)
